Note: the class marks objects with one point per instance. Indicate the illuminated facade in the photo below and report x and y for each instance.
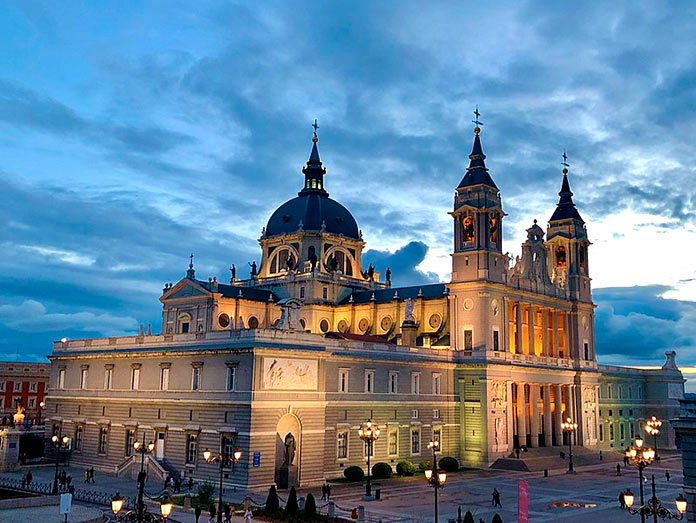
(313, 344)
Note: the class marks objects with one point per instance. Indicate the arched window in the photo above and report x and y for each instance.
(495, 227)
(184, 323)
(561, 257)
(467, 230)
(339, 260)
(282, 260)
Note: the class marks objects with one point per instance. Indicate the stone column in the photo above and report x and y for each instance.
(521, 415)
(545, 332)
(570, 406)
(519, 346)
(530, 322)
(558, 414)
(509, 410)
(534, 417)
(568, 346)
(555, 333)
(548, 422)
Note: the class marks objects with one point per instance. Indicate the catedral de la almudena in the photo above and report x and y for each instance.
(287, 362)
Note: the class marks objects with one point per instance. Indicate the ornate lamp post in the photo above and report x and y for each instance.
(652, 427)
(60, 442)
(133, 516)
(654, 506)
(369, 433)
(142, 449)
(222, 459)
(569, 427)
(435, 479)
(42, 405)
(640, 457)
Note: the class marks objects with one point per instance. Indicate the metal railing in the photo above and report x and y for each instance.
(83, 495)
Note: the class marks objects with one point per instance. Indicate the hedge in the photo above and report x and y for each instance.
(354, 473)
(405, 468)
(425, 465)
(449, 464)
(382, 471)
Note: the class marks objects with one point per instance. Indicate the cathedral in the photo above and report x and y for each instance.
(313, 344)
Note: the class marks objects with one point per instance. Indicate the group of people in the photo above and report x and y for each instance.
(27, 479)
(226, 512)
(64, 480)
(325, 492)
(89, 475)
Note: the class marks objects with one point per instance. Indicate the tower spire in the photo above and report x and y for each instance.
(191, 272)
(477, 172)
(565, 209)
(314, 171)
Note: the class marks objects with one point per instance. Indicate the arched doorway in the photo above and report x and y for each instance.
(287, 457)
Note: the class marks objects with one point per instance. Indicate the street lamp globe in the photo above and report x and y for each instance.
(628, 498)
(428, 474)
(65, 440)
(639, 442)
(237, 454)
(166, 506)
(55, 438)
(116, 503)
(207, 455)
(680, 502)
(136, 445)
(442, 477)
(151, 446)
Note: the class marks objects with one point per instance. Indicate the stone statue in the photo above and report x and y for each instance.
(408, 311)
(233, 273)
(253, 269)
(388, 275)
(670, 363)
(289, 452)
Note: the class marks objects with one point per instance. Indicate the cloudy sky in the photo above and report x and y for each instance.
(134, 133)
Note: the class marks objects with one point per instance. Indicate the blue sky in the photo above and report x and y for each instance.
(133, 133)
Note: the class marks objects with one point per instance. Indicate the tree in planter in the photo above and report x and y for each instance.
(272, 502)
(291, 507)
(469, 517)
(497, 519)
(310, 507)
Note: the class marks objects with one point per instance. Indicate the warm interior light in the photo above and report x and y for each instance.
(207, 454)
(116, 504)
(428, 474)
(628, 498)
(237, 455)
(681, 503)
(166, 506)
(442, 477)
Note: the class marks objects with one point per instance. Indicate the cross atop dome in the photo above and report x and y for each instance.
(314, 171)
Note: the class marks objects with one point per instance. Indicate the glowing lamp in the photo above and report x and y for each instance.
(442, 477)
(136, 445)
(680, 502)
(428, 474)
(628, 498)
(207, 455)
(54, 439)
(116, 504)
(639, 442)
(166, 506)
(237, 455)
(151, 446)
(65, 440)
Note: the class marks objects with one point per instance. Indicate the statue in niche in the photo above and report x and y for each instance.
(408, 311)
(289, 450)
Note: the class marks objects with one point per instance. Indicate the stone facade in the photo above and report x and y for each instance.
(23, 384)
(313, 344)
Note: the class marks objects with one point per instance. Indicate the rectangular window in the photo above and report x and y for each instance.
(601, 432)
(342, 444)
(196, 378)
(77, 439)
(610, 392)
(620, 392)
(83, 378)
(611, 431)
(302, 293)
(185, 327)
(2, 386)
(468, 339)
(231, 378)
(496, 339)
(191, 448)
(414, 413)
(16, 402)
(227, 444)
(343, 375)
(630, 392)
(415, 441)
(437, 378)
(32, 386)
(436, 413)
(587, 350)
(164, 378)
(393, 382)
(325, 293)
(415, 383)
(61, 379)
(130, 439)
(135, 379)
(18, 386)
(108, 377)
(622, 431)
(103, 439)
(369, 381)
(393, 442)
(32, 403)
(631, 426)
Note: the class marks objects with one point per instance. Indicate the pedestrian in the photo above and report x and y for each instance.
(625, 460)
(328, 491)
(86, 475)
(30, 477)
(197, 513)
(91, 474)
(247, 515)
(213, 512)
(68, 481)
(323, 492)
(667, 476)
(622, 500)
(517, 452)
(24, 481)
(495, 501)
(190, 483)
(618, 469)
(228, 513)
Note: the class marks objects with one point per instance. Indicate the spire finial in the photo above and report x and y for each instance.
(191, 273)
(565, 163)
(476, 121)
(315, 138)
(191, 261)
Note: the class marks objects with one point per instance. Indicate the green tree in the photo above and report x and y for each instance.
(205, 493)
(469, 517)
(497, 519)
(291, 507)
(310, 507)
(272, 502)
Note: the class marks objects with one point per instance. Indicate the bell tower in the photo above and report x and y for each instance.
(567, 244)
(478, 221)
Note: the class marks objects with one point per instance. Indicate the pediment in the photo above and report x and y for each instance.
(185, 289)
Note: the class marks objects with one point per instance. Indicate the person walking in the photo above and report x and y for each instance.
(328, 491)
(213, 512)
(87, 475)
(197, 513)
(190, 483)
(618, 469)
(495, 501)
(323, 492)
(228, 513)
(247, 515)
(622, 500)
(30, 477)
(24, 481)
(667, 476)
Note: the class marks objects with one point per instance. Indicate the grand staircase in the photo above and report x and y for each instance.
(549, 458)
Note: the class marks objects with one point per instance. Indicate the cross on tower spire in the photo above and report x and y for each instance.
(476, 121)
(191, 273)
(315, 138)
(565, 163)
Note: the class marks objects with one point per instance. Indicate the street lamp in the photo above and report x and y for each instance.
(142, 449)
(435, 479)
(569, 427)
(222, 459)
(60, 442)
(117, 503)
(369, 433)
(640, 457)
(42, 405)
(654, 506)
(652, 427)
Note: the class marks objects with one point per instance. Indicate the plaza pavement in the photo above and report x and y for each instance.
(411, 500)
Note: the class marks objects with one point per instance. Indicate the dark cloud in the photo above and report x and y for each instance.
(403, 263)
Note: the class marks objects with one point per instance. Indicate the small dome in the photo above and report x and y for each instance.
(313, 209)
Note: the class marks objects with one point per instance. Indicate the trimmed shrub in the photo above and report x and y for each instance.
(449, 464)
(382, 471)
(497, 519)
(272, 501)
(310, 507)
(405, 468)
(354, 473)
(425, 465)
(205, 493)
(469, 517)
(291, 507)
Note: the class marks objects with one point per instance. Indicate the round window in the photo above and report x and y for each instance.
(224, 320)
(386, 323)
(324, 325)
(434, 321)
(343, 326)
(364, 325)
(253, 322)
